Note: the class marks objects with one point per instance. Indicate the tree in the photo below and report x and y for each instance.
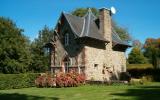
(82, 11)
(152, 51)
(136, 56)
(14, 48)
(40, 56)
(137, 43)
(123, 33)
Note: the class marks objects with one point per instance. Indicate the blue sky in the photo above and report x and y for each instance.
(140, 17)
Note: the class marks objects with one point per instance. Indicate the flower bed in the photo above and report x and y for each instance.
(60, 80)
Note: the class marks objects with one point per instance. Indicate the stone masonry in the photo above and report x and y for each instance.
(99, 59)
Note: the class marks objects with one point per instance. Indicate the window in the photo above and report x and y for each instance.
(95, 66)
(66, 39)
(67, 63)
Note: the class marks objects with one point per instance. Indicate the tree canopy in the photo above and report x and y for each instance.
(136, 56)
(152, 51)
(40, 56)
(14, 48)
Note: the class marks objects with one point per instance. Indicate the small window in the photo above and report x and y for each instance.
(95, 66)
(66, 39)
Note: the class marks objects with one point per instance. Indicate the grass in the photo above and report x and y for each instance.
(88, 92)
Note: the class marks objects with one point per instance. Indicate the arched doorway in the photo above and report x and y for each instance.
(66, 64)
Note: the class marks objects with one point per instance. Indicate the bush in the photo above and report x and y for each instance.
(60, 80)
(45, 80)
(136, 81)
(14, 81)
(69, 79)
(148, 78)
(139, 73)
(125, 76)
(139, 66)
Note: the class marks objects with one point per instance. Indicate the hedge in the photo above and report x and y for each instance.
(139, 73)
(15, 81)
(139, 66)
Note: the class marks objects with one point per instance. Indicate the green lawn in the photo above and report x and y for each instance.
(88, 92)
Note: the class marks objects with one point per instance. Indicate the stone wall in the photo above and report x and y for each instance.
(96, 59)
(104, 64)
(74, 50)
(94, 63)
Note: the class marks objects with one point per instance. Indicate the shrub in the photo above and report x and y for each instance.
(69, 79)
(139, 66)
(60, 80)
(14, 81)
(125, 76)
(45, 80)
(147, 78)
(136, 81)
(139, 73)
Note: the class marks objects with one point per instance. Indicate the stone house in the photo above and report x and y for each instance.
(88, 45)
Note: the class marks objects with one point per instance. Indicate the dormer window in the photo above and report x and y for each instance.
(66, 39)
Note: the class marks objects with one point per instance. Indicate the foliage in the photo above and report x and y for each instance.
(125, 76)
(136, 82)
(61, 80)
(122, 32)
(152, 51)
(139, 73)
(141, 81)
(136, 57)
(14, 81)
(139, 66)
(14, 48)
(45, 80)
(40, 56)
(69, 79)
(82, 11)
(137, 44)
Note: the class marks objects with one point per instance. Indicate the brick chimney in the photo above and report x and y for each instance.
(105, 23)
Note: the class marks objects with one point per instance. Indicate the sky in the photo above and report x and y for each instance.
(140, 17)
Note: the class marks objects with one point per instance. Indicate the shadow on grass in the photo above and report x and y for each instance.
(142, 93)
(16, 96)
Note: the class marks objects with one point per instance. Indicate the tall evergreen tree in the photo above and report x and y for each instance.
(152, 51)
(136, 56)
(40, 54)
(14, 48)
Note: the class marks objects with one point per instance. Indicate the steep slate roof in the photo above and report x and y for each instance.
(117, 40)
(86, 27)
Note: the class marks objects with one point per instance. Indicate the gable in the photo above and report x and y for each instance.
(62, 28)
(86, 27)
(83, 26)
